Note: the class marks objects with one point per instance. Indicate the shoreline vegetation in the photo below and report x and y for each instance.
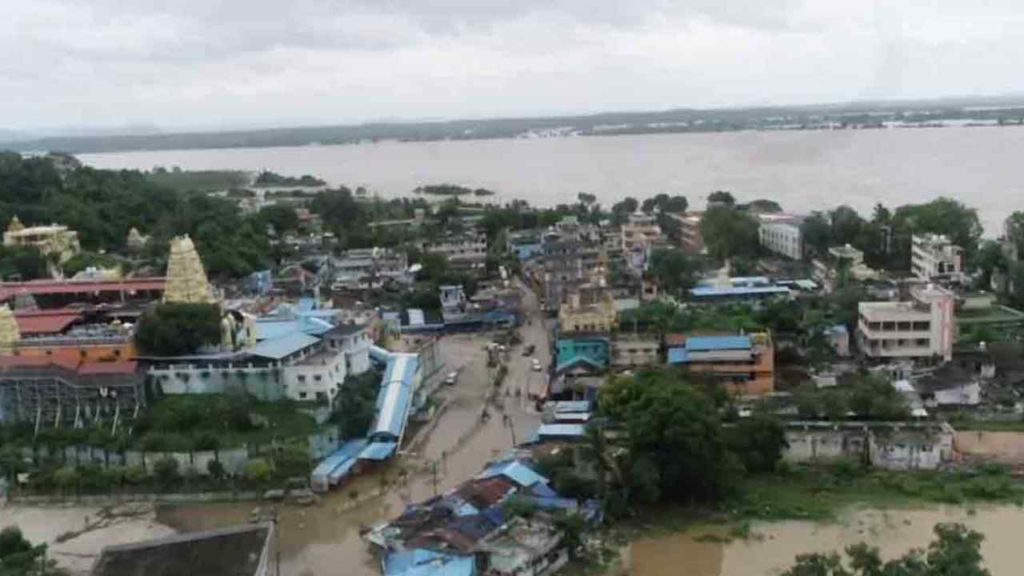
(976, 111)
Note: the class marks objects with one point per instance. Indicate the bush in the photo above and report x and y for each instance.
(259, 470)
(216, 469)
(165, 471)
(173, 329)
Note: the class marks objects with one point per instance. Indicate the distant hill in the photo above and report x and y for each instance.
(966, 110)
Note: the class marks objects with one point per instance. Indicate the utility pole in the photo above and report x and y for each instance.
(433, 468)
(512, 430)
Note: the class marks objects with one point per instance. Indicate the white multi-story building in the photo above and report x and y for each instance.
(933, 256)
(463, 251)
(780, 234)
(371, 267)
(920, 328)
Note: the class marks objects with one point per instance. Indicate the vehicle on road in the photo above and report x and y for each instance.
(536, 365)
(528, 350)
(451, 378)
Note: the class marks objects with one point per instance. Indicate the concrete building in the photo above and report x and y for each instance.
(640, 231)
(934, 257)
(886, 445)
(463, 251)
(589, 308)
(920, 328)
(573, 255)
(780, 234)
(688, 225)
(582, 354)
(744, 363)
(52, 240)
(370, 268)
(633, 350)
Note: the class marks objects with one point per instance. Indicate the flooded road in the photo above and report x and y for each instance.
(772, 547)
(324, 538)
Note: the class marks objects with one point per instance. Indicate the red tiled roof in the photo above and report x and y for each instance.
(486, 493)
(45, 321)
(11, 289)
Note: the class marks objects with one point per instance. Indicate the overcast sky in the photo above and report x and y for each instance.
(185, 64)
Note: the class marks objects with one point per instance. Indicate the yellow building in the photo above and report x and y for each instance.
(590, 308)
(54, 239)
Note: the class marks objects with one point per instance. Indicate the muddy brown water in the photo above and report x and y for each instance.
(773, 547)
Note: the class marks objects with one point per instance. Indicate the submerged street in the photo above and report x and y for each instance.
(324, 538)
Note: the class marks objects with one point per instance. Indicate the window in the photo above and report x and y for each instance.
(302, 395)
(317, 378)
(302, 378)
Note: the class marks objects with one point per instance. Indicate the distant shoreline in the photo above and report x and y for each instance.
(854, 117)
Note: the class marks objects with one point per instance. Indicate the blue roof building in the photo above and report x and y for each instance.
(737, 293)
(583, 354)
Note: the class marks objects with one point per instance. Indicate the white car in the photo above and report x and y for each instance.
(451, 378)
(536, 365)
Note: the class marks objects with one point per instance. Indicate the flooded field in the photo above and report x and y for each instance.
(772, 547)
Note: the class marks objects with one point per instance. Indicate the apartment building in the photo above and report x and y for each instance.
(632, 350)
(688, 227)
(780, 234)
(934, 256)
(589, 308)
(463, 251)
(371, 268)
(573, 255)
(744, 363)
(920, 328)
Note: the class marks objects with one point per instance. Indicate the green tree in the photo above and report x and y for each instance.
(23, 263)
(282, 217)
(816, 232)
(721, 198)
(166, 472)
(674, 271)
(19, 557)
(955, 551)
(847, 226)
(173, 329)
(758, 441)
(764, 206)
(730, 233)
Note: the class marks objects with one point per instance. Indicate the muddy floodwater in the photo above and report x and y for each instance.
(773, 546)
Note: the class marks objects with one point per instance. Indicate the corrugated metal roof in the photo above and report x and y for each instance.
(709, 343)
(561, 431)
(378, 451)
(339, 462)
(416, 317)
(395, 397)
(711, 291)
(566, 406)
(515, 471)
(284, 346)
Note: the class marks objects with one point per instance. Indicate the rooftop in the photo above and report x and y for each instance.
(284, 346)
(236, 551)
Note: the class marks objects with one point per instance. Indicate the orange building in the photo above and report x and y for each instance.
(68, 337)
(744, 363)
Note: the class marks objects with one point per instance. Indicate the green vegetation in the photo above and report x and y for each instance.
(820, 492)
(19, 557)
(83, 260)
(675, 271)
(677, 447)
(175, 329)
(861, 397)
(267, 178)
(451, 190)
(355, 404)
(208, 422)
(197, 180)
(956, 551)
(730, 233)
(885, 239)
(102, 205)
(23, 263)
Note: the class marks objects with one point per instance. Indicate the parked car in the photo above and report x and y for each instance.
(451, 378)
(528, 350)
(536, 365)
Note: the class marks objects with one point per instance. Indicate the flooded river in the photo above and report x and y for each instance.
(772, 547)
